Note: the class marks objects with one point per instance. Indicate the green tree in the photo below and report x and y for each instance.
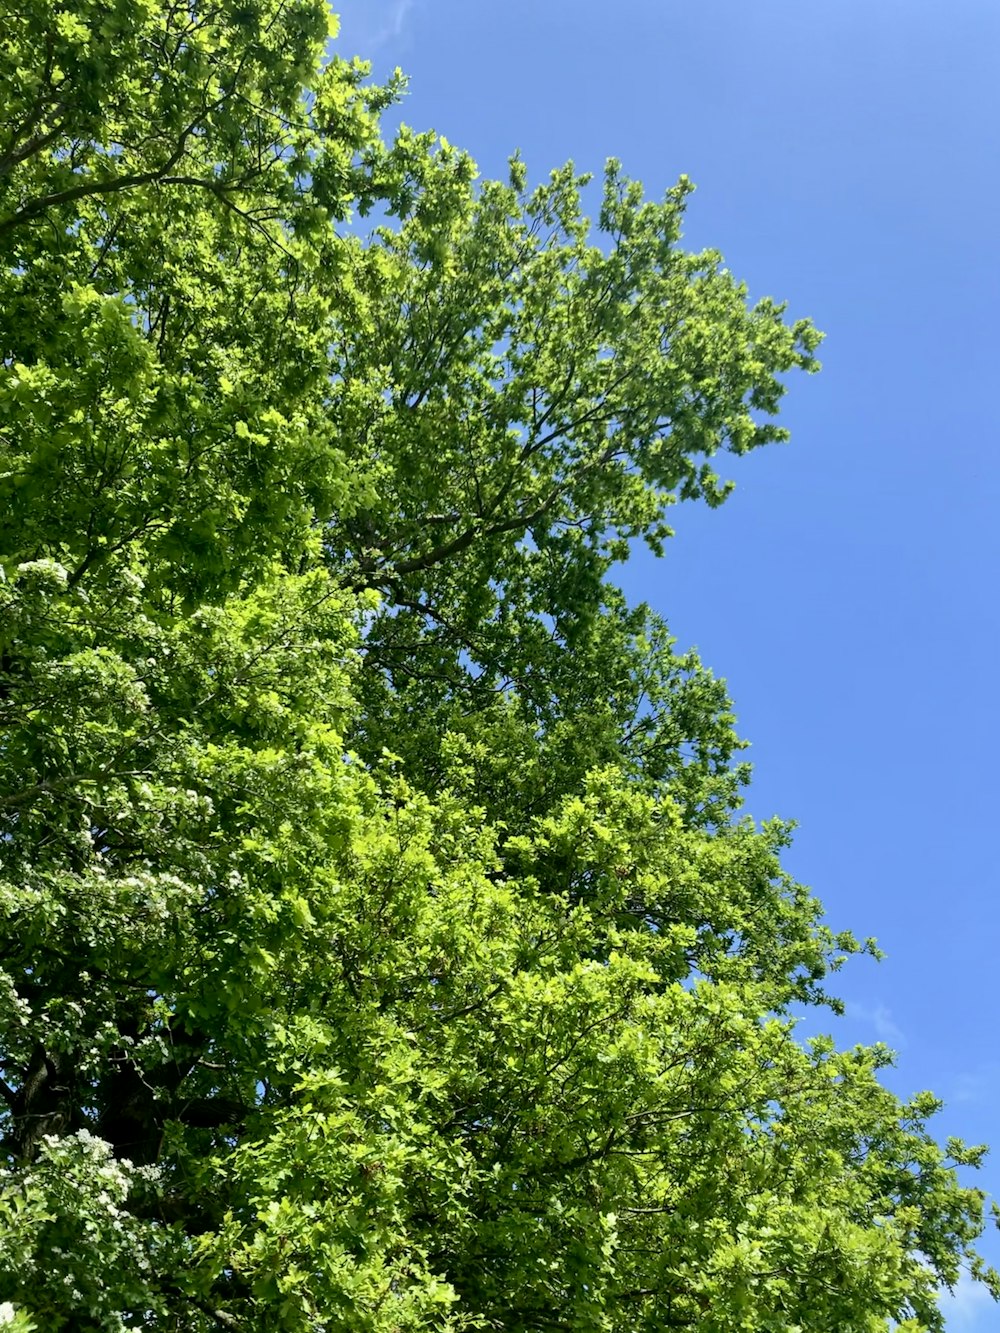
(382, 947)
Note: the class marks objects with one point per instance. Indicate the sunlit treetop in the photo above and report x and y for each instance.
(382, 947)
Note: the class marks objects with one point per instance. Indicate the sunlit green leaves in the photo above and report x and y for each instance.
(381, 947)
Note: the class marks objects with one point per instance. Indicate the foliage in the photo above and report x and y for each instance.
(382, 946)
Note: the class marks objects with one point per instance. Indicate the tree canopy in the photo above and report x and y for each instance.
(382, 944)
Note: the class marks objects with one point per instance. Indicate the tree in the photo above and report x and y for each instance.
(382, 945)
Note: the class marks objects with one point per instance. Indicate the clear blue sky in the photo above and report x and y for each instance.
(846, 160)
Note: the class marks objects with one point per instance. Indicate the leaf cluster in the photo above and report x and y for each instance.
(381, 945)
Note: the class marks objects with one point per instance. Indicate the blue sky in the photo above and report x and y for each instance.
(845, 156)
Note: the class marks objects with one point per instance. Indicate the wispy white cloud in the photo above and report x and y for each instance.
(879, 1017)
(969, 1307)
(368, 25)
(977, 1085)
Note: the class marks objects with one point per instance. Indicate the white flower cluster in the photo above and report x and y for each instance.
(42, 572)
